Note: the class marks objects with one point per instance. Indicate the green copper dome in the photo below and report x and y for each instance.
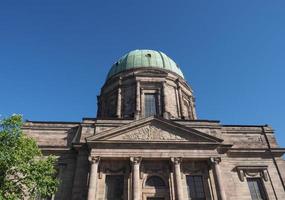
(144, 58)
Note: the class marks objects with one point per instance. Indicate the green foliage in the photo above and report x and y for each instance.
(24, 171)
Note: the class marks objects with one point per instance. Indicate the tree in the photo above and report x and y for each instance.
(24, 172)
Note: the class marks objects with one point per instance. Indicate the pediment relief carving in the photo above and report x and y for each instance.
(154, 133)
(150, 133)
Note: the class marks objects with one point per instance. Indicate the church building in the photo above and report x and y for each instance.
(147, 143)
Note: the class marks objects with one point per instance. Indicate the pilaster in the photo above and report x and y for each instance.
(119, 99)
(138, 100)
(166, 113)
(180, 100)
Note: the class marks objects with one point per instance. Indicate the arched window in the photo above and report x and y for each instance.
(155, 181)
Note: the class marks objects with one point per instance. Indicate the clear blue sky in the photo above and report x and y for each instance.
(55, 55)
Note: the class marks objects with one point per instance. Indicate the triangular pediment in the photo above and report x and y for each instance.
(154, 130)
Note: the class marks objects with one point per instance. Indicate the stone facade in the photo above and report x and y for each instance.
(154, 157)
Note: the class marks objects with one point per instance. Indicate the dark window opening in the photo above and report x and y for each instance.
(155, 181)
(150, 105)
(256, 189)
(114, 187)
(195, 187)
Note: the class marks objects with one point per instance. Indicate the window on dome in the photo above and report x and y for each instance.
(150, 105)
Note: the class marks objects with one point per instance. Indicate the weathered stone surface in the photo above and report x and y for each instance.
(171, 147)
(75, 166)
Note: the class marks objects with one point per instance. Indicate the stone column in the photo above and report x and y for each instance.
(177, 178)
(215, 162)
(136, 193)
(138, 100)
(94, 160)
(119, 99)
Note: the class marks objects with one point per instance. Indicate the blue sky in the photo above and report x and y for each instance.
(55, 55)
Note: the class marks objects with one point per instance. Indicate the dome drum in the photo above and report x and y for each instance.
(128, 96)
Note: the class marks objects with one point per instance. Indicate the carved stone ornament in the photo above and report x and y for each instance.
(155, 169)
(135, 160)
(241, 175)
(115, 170)
(264, 175)
(252, 171)
(195, 168)
(151, 133)
(215, 160)
(176, 160)
(94, 159)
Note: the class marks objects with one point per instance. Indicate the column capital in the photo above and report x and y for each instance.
(135, 160)
(176, 160)
(215, 160)
(94, 159)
